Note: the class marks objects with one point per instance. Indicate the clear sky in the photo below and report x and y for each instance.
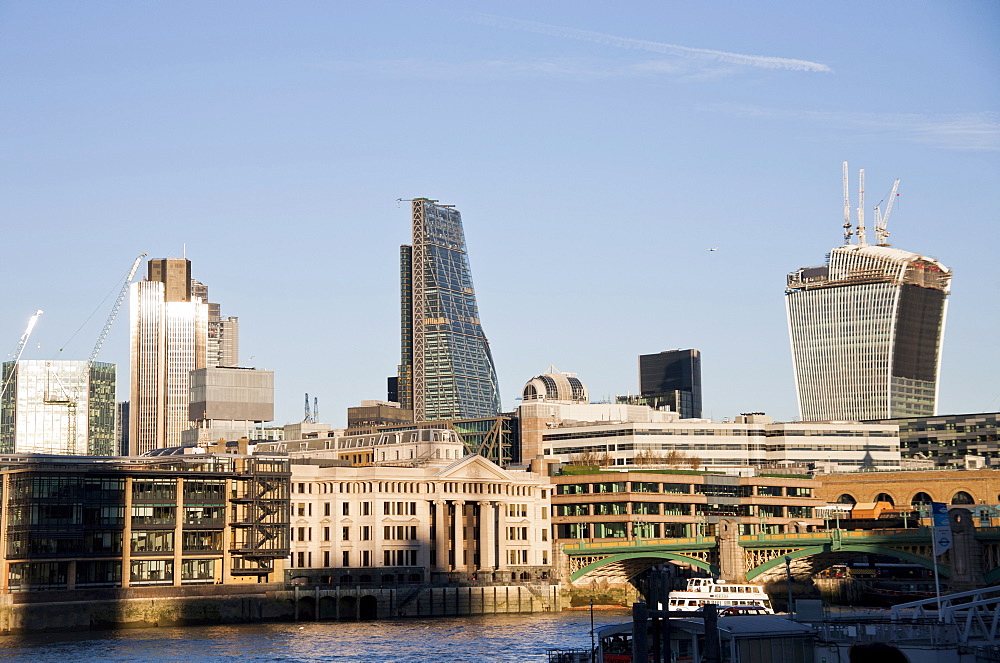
(595, 150)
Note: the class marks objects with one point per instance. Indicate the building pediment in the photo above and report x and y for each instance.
(474, 468)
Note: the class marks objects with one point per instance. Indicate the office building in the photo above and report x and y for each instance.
(228, 403)
(58, 407)
(951, 440)
(665, 504)
(866, 330)
(169, 339)
(413, 506)
(671, 379)
(446, 369)
(223, 332)
(196, 519)
(638, 437)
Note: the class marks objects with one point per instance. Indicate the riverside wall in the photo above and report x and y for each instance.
(42, 611)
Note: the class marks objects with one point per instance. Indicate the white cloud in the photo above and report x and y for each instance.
(956, 131)
(764, 61)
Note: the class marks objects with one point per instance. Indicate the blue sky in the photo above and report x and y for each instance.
(596, 151)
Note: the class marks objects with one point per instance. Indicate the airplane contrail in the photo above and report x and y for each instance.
(764, 61)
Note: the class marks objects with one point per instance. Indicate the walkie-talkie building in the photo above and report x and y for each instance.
(866, 333)
(446, 369)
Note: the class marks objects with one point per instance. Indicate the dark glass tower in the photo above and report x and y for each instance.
(672, 378)
(446, 369)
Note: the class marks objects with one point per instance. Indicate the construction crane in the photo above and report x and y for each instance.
(20, 348)
(861, 208)
(881, 234)
(315, 409)
(847, 209)
(308, 417)
(114, 310)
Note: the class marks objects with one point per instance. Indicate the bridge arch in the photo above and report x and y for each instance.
(631, 564)
(815, 558)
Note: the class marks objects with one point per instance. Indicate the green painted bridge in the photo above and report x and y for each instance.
(973, 560)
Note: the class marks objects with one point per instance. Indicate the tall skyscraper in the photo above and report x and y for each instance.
(866, 329)
(672, 378)
(169, 339)
(223, 333)
(446, 369)
(58, 407)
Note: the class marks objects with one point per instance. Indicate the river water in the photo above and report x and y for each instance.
(513, 638)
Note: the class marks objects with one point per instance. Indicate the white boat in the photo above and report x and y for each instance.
(742, 598)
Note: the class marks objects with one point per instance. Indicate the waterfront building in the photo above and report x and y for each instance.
(58, 407)
(494, 438)
(228, 403)
(446, 369)
(644, 438)
(597, 504)
(169, 337)
(977, 490)
(167, 520)
(670, 379)
(951, 440)
(866, 332)
(413, 506)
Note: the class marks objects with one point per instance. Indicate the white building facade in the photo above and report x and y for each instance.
(413, 506)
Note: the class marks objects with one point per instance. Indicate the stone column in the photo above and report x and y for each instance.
(732, 559)
(441, 537)
(487, 536)
(460, 535)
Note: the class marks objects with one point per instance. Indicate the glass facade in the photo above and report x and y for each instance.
(58, 407)
(446, 369)
(169, 339)
(672, 379)
(866, 333)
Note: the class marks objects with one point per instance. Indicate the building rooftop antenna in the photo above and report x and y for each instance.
(861, 208)
(881, 220)
(847, 209)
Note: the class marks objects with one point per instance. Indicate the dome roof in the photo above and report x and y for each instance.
(555, 386)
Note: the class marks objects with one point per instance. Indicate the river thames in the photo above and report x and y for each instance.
(467, 639)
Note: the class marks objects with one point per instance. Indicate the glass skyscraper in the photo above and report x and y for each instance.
(58, 407)
(866, 332)
(169, 339)
(446, 369)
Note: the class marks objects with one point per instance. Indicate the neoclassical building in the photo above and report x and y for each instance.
(413, 506)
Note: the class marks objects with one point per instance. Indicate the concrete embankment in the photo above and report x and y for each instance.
(180, 606)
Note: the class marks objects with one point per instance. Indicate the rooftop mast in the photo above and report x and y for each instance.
(847, 209)
(861, 208)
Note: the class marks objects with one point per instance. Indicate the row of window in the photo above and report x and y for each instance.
(712, 490)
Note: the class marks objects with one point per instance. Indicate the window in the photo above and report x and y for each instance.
(346, 508)
(345, 558)
(326, 534)
(366, 508)
(345, 534)
(517, 510)
(326, 508)
(366, 557)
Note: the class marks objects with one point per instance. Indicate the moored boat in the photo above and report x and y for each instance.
(700, 591)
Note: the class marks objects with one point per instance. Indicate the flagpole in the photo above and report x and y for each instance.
(937, 575)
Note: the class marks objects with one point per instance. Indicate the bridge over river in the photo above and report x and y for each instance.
(973, 561)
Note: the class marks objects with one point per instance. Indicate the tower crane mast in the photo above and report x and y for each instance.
(847, 209)
(881, 220)
(114, 310)
(20, 348)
